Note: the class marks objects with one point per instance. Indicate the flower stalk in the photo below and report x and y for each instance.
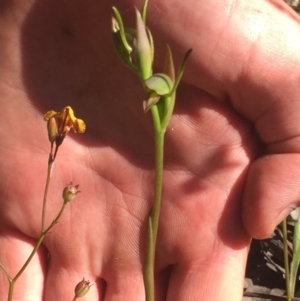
(291, 268)
(135, 48)
(58, 125)
(13, 280)
(286, 260)
(43, 234)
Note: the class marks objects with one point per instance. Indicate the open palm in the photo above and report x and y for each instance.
(216, 187)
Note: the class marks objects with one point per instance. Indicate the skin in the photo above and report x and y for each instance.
(231, 159)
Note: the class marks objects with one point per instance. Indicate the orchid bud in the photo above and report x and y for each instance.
(143, 48)
(134, 46)
(159, 83)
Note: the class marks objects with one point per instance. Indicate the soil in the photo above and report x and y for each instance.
(265, 273)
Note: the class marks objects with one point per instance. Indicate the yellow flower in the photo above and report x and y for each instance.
(65, 120)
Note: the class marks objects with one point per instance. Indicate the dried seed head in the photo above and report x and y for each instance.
(82, 288)
(70, 192)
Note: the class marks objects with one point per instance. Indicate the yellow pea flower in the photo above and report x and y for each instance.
(59, 124)
(65, 120)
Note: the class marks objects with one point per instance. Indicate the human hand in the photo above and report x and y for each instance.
(231, 148)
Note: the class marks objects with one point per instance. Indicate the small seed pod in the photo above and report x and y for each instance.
(70, 192)
(82, 288)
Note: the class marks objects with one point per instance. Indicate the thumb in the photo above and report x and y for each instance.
(272, 191)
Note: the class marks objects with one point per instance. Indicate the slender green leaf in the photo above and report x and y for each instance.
(144, 11)
(119, 24)
(181, 69)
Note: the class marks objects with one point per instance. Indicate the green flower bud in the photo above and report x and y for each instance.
(143, 48)
(82, 288)
(70, 192)
(52, 129)
(134, 46)
(159, 83)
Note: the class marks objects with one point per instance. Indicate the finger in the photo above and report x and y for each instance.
(14, 251)
(209, 248)
(62, 280)
(124, 279)
(214, 279)
(272, 190)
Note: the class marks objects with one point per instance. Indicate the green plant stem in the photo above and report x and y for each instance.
(40, 240)
(294, 266)
(155, 211)
(49, 172)
(43, 233)
(153, 219)
(5, 272)
(286, 260)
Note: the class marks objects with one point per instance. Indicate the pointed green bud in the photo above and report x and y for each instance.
(52, 129)
(181, 69)
(143, 48)
(82, 288)
(169, 65)
(70, 192)
(160, 83)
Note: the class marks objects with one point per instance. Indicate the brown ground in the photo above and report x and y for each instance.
(265, 270)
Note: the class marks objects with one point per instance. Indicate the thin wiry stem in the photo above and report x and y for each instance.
(153, 219)
(37, 245)
(51, 159)
(286, 260)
